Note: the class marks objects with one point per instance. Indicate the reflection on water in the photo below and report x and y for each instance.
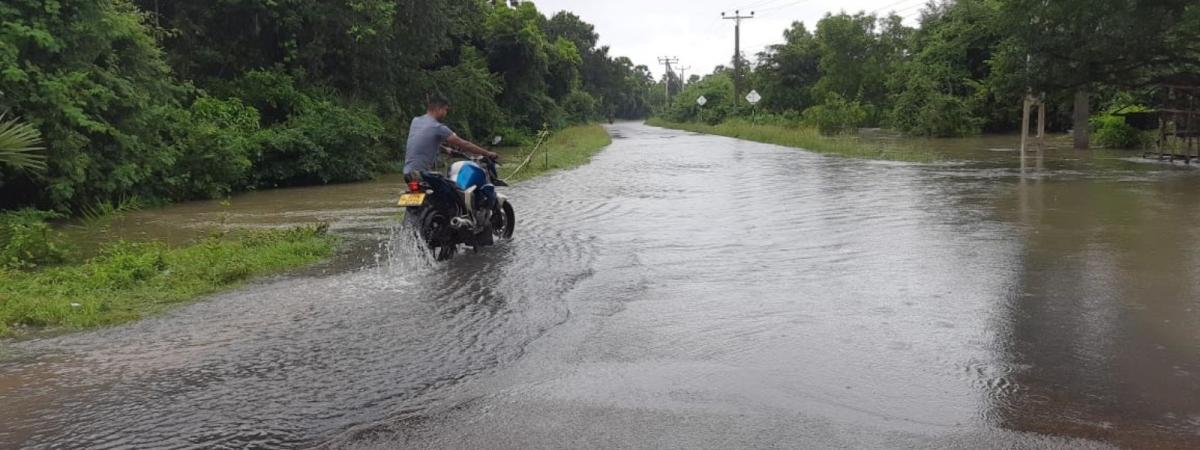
(713, 289)
(1106, 323)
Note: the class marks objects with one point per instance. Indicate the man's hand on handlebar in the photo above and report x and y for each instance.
(456, 153)
(464, 144)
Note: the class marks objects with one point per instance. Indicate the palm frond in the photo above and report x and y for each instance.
(20, 145)
(103, 213)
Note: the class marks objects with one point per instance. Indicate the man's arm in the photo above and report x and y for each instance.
(468, 146)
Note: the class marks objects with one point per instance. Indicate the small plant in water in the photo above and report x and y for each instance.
(100, 217)
(222, 219)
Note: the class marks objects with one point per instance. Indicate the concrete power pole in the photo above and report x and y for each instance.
(683, 76)
(737, 50)
(666, 62)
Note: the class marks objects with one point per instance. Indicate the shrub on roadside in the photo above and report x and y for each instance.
(217, 148)
(27, 240)
(1111, 131)
(580, 107)
(835, 116)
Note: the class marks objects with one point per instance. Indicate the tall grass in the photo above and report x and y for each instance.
(568, 148)
(129, 280)
(805, 138)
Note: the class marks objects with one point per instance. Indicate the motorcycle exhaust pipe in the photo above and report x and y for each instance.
(459, 223)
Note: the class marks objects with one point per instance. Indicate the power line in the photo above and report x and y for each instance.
(784, 6)
(908, 8)
(759, 4)
(894, 4)
(911, 15)
(705, 31)
(758, 46)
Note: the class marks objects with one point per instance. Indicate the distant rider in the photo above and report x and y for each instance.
(426, 136)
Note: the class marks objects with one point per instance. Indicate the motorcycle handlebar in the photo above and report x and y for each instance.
(456, 153)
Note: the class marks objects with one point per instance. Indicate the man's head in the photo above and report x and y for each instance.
(438, 106)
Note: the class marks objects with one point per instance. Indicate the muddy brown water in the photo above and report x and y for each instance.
(682, 291)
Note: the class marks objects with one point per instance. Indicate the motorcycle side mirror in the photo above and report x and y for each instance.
(496, 140)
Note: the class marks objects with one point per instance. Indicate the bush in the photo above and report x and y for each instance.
(306, 137)
(27, 240)
(835, 116)
(937, 115)
(579, 106)
(1111, 131)
(217, 144)
(322, 144)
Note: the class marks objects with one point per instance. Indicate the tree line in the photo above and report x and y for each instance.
(183, 100)
(964, 70)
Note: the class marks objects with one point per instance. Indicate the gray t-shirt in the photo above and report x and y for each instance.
(425, 135)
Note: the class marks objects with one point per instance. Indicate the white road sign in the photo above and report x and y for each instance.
(701, 101)
(753, 97)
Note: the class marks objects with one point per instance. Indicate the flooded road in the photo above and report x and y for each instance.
(682, 291)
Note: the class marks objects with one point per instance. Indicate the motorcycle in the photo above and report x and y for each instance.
(459, 208)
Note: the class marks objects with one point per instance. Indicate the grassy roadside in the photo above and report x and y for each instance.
(130, 280)
(805, 138)
(569, 148)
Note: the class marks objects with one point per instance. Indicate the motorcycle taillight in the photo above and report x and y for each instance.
(414, 186)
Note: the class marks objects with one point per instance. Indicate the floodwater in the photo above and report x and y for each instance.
(682, 291)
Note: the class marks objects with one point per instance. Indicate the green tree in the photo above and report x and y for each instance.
(92, 79)
(787, 72)
(1074, 47)
(941, 89)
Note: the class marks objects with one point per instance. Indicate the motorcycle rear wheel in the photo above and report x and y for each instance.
(437, 235)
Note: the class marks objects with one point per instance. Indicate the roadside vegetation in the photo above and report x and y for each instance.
(569, 148)
(128, 280)
(963, 70)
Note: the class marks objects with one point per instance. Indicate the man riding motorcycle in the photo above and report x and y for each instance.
(462, 208)
(427, 134)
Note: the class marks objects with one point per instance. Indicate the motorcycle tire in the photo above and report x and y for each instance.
(436, 233)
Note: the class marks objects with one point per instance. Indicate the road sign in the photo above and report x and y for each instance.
(701, 101)
(753, 97)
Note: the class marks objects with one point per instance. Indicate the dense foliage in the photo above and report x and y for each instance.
(964, 70)
(180, 100)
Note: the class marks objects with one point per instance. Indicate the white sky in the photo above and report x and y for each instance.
(693, 30)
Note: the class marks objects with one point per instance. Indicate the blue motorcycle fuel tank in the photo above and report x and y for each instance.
(468, 174)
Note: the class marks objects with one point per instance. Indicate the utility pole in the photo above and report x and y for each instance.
(666, 62)
(737, 50)
(683, 77)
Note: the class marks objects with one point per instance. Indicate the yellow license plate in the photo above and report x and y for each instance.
(411, 200)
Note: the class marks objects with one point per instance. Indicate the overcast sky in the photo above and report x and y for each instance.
(693, 30)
